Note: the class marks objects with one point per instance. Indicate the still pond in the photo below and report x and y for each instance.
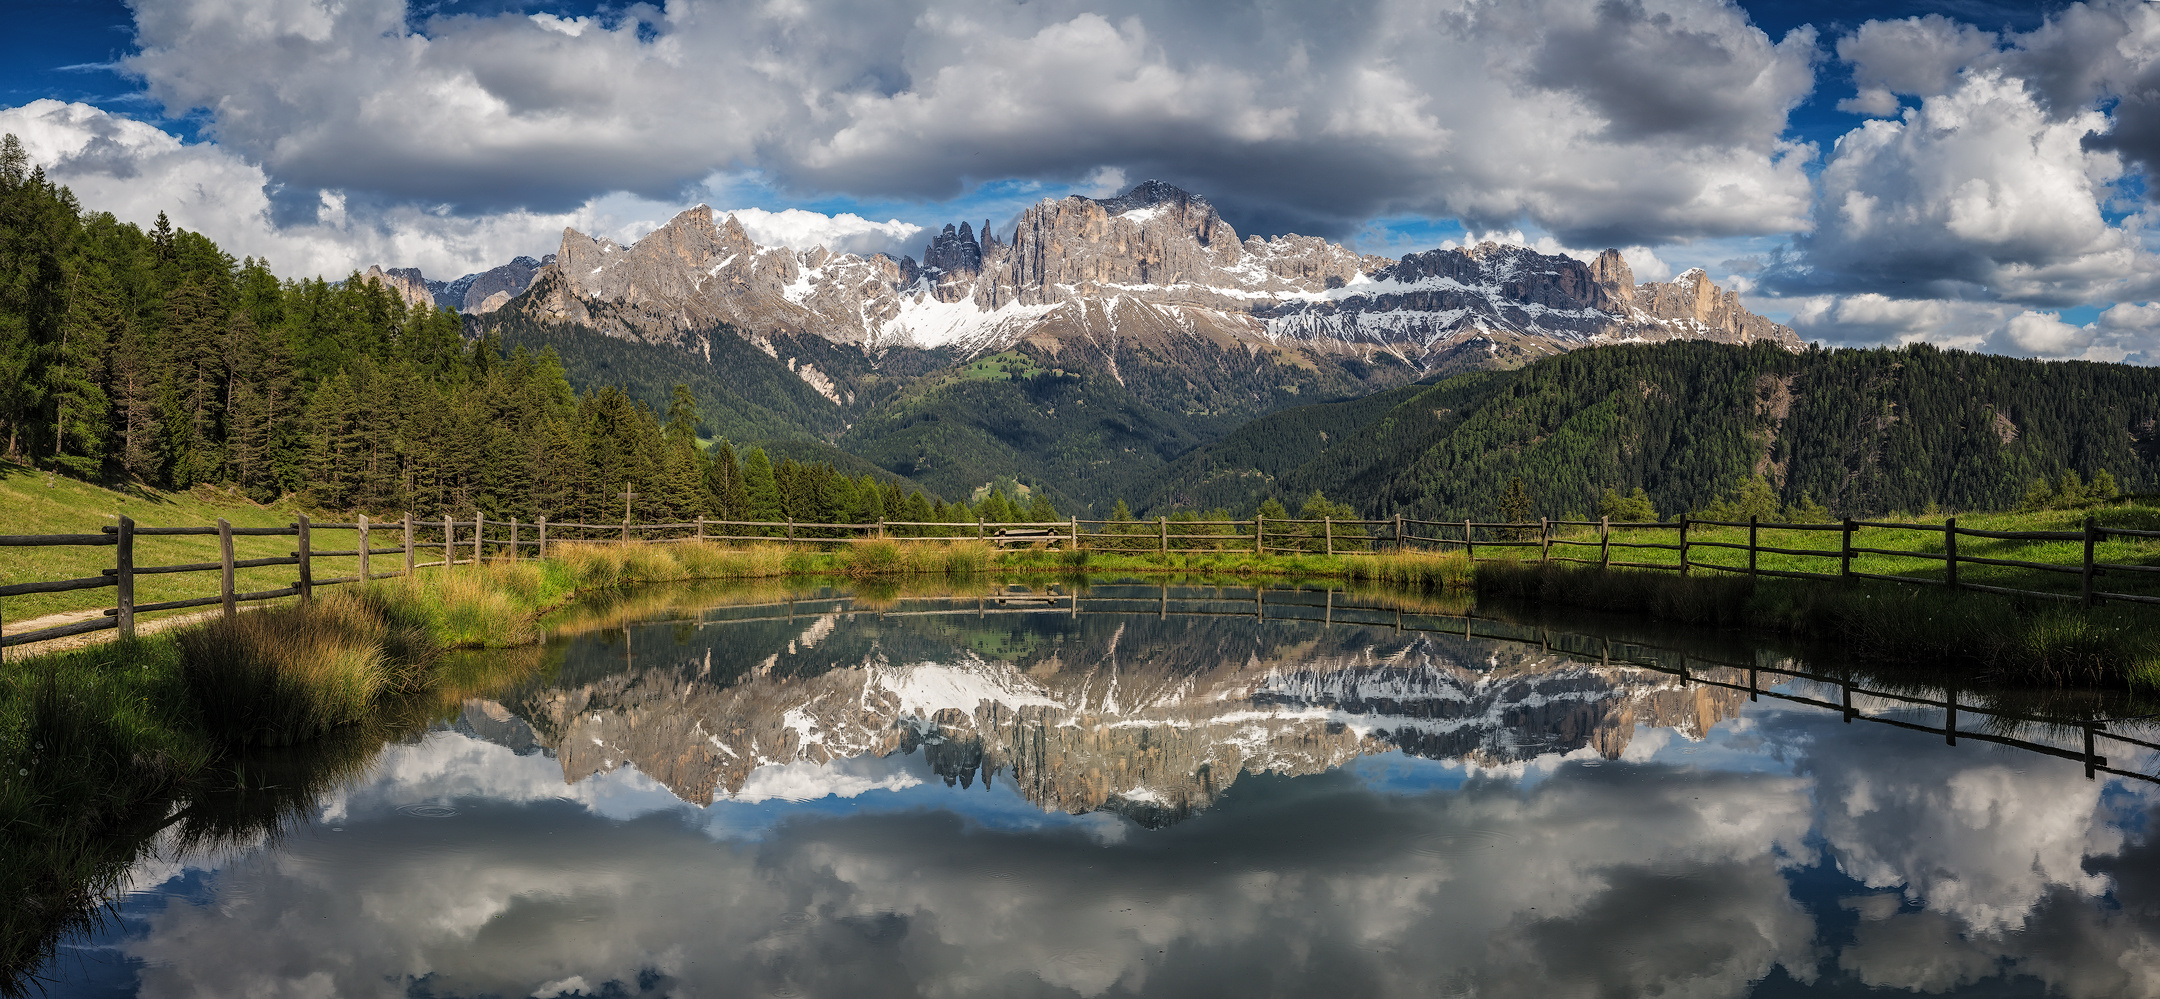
(1139, 789)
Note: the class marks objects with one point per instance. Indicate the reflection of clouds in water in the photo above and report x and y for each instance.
(1547, 876)
(1999, 857)
(806, 781)
(446, 765)
(1978, 832)
(2079, 950)
(1292, 885)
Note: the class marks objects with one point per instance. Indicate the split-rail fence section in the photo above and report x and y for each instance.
(469, 541)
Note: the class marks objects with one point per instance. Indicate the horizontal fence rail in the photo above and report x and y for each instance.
(451, 541)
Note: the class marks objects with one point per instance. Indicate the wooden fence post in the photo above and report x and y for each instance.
(1259, 535)
(1075, 526)
(306, 586)
(1327, 530)
(449, 543)
(1950, 552)
(1604, 542)
(701, 529)
(542, 548)
(1845, 550)
(1162, 536)
(978, 528)
(124, 577)
(2090, 537)
(1544, 539)
(1683, 544)
(513, 539)
(790, 529)
(479, 533)
(408, 542)
(363, 548)
(1398, 533)
(1751, 535)
(1468, 545)
(225, 567)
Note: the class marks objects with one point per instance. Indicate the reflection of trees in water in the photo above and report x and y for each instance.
(248, 800)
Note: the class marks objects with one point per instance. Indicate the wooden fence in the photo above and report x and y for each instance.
(2088, 571)
(1162, 536)
(304, 558)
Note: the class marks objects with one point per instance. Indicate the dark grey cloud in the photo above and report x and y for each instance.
(1318, 116)
(1652, 75)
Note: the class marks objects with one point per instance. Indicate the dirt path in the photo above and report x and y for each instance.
(143, 626)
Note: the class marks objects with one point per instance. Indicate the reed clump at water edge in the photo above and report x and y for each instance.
(171, 736)
(2003, 639)
(602, 565)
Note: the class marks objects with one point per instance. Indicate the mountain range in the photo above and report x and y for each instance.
(1156, 263)
(1096, 343)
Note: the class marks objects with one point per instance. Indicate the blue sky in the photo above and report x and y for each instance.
(1966, 172)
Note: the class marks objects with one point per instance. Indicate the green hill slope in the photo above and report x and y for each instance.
(743, 394)
(1078, 434)
(1863, 431)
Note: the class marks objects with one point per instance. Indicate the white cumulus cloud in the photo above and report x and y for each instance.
(847, 232)
(1629, 121)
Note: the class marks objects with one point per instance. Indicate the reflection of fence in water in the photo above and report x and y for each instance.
(1329, 607)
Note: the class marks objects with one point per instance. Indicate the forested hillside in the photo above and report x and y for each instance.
(154, 357)
(1861, 431)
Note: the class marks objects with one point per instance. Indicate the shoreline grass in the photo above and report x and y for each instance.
(590, 565)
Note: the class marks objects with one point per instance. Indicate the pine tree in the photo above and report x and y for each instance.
(724, 483)
(760, 489)
(1039, 509)
(75, 369)
(1516, 506)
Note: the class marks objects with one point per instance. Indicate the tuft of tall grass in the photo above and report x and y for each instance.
(288, 674)
(1414, 570)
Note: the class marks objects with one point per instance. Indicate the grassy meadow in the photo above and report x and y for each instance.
(39, 503)
(2137, 515)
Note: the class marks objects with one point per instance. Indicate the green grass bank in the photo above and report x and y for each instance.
(2000, 639)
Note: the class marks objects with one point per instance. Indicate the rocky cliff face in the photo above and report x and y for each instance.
(488, 290)
(406, 281)
(1153, 733)
(473, 294)
(1155, 265)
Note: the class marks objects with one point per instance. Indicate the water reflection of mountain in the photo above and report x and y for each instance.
(1149, 716)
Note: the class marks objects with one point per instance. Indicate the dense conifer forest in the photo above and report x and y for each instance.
(1694, 425)
(153, 357)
